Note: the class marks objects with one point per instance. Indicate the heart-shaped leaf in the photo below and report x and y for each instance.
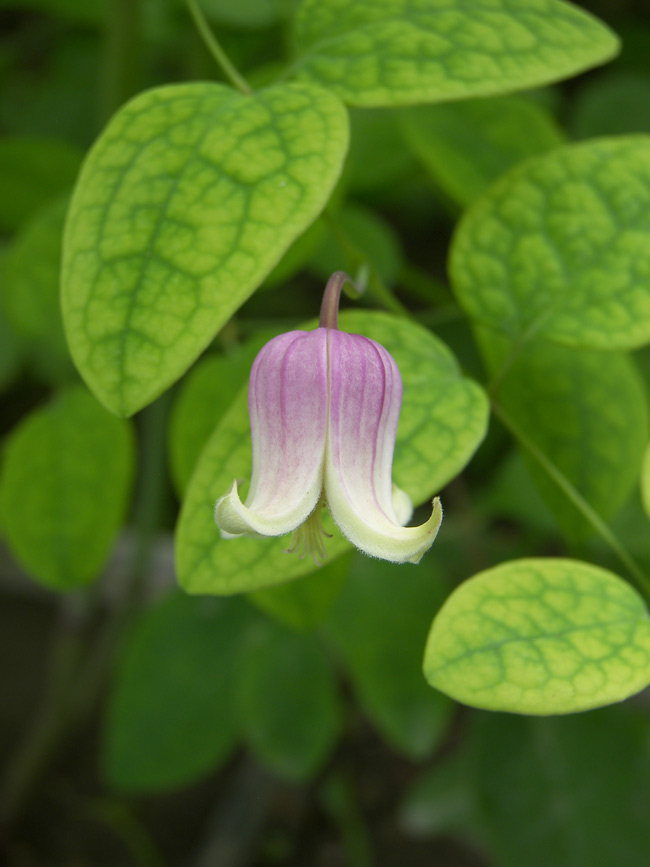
(185, 203)
(171, 715)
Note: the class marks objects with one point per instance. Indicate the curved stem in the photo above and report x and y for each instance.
(216, 50)
(329, 310)
(640, 578)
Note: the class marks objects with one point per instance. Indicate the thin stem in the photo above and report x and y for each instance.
(216, 50)
(641, 579)
(329, 310)
(122, 55)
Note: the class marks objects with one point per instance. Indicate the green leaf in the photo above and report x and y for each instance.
(303, 605)
(405, 52)
(465, 146)
(206, 395)
(540, 636)
(567, 792)
(65, 486)
(645, 481)
(31, 297)
(288, 701)
(586, 411)
(171, 717)
(186, 202)
(379, 626)
(33, 171)
(559, 247)
(443, 420)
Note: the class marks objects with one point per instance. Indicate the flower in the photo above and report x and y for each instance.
(324, 407)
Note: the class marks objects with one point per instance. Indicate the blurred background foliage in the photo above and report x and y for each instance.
(139, 726)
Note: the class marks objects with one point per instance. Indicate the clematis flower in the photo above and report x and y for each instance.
(324, 407)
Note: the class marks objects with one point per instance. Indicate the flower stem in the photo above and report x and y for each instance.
(216, 50)
(329, 311)
(640, 578)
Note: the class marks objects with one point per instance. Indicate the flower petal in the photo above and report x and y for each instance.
(287, 402)
(365, 400)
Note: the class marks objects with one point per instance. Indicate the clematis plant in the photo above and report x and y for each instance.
(324, 407)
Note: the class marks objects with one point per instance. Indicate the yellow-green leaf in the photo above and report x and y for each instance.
(540, 636)
(559, 247)
(405, 52)
(185, 203)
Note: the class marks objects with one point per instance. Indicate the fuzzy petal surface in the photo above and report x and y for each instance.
(365, 400)
(287, 402)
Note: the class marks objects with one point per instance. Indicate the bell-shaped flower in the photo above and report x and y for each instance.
(324, 407)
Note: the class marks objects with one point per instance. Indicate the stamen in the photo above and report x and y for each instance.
(309, 537)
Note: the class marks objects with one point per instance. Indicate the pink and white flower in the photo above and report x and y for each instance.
(324, 407)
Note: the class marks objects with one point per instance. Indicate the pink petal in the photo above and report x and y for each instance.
(287, 401)
(365, 400)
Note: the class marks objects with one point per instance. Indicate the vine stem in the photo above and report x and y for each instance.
(215, 49)
(640, 578)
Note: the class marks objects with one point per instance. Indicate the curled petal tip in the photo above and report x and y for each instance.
(227, 514)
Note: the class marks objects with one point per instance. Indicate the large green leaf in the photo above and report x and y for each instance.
(466, 145)
(569, 792)
(585, 410)
(443, 420)
(171, 715)
(32, 171)
(66, 479)
(31, 297)
(186, 202)
(288, 701)
(540, 636)
(405, 52)
(379, 626)
(559, 247)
